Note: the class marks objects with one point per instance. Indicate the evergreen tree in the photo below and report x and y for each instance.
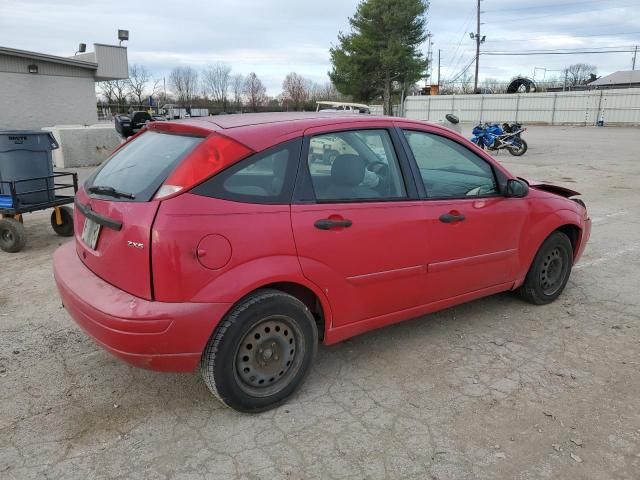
(382, 50)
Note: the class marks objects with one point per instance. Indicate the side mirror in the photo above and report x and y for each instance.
(516, 188)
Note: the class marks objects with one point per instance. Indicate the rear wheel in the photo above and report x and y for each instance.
(519, 148)
(13, 235)
(261, 351)
(550, 270)
(65, 228)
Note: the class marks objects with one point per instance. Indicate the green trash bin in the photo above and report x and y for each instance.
(26, 155)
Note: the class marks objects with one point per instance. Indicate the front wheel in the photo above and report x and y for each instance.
(519, 148)
(261, 351)
(550, 270)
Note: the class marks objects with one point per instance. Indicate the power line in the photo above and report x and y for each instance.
(464, 70)
(548, 37)
(556, 53)
(554, 5)
(455, 59)
(555, 14)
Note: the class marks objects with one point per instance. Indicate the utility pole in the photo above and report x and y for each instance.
(475, 82)
(438, 68)
(479, 39)
(635, 54)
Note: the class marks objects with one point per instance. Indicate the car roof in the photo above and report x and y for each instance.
(261, 130)
(237, 120)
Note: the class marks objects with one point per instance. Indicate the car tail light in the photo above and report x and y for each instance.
(211, 156)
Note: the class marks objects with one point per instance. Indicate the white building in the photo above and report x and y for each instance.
(39, 90)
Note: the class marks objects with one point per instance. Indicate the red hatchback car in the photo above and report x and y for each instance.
(232, 244)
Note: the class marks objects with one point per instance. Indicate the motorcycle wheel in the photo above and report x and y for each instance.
(518, 152)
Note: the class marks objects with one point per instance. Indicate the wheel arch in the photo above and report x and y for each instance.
(308, 297)
(565, 221)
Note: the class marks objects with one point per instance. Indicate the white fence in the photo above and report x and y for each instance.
(613, 107)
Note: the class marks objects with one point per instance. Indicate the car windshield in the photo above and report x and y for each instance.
(138, 169)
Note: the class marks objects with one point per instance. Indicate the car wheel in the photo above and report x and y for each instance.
(550, 270)
(261, 352)
(13, 235)
(65, 229)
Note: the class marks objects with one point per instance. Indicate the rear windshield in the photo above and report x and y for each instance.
(141, 166)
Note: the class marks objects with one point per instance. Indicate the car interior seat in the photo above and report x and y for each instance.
(347, 173)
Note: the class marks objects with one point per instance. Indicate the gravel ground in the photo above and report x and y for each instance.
(493, 389)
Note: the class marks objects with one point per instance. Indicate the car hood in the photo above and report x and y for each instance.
(551, 188)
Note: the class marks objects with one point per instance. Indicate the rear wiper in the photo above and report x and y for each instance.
(110, 191)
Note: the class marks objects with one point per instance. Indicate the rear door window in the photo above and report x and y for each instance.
(355, 165)
(140, 167)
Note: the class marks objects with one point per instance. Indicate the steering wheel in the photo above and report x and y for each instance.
(381, 169)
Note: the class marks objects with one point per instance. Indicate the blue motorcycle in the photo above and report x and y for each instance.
(494, 137)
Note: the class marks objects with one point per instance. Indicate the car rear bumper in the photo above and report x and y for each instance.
(153, 335)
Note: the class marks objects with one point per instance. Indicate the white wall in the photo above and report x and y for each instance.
(84, 146)
(33, 101)
(614, 107)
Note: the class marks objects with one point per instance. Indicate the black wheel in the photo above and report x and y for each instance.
(520, 150)
(65, 229)
(550, 270)
(13, 236)
(261, 351)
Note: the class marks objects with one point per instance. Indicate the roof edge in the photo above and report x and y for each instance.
(48, 58)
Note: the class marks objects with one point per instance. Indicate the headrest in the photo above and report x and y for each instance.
(348, 170)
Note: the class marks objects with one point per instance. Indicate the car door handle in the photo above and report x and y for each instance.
(451, 217)
(328, 224)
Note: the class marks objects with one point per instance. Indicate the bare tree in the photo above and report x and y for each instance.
(184, 83)
(579, 73)
(137, 83)
(114, 92)
(492, 85)
(237, 87)
(255, 91)
(295, 91)
(215, 81)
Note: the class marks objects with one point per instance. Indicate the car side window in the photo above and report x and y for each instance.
(266, 177)
(355, 165)
(448, 169)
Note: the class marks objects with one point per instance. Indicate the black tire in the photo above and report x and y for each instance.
(550, 270)
(261, 352)
(518, 152)
(13, 235)
(452, 118)
(66, 228)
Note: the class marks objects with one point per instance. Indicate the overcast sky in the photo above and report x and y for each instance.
(274, 37)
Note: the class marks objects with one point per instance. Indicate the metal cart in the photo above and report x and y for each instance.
(13, 194)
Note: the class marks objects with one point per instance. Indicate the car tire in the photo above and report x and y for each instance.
(65, 229)
(550, 270)
(261, 352)
(13, 236)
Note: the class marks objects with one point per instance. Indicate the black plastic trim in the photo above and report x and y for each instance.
(96, 217)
